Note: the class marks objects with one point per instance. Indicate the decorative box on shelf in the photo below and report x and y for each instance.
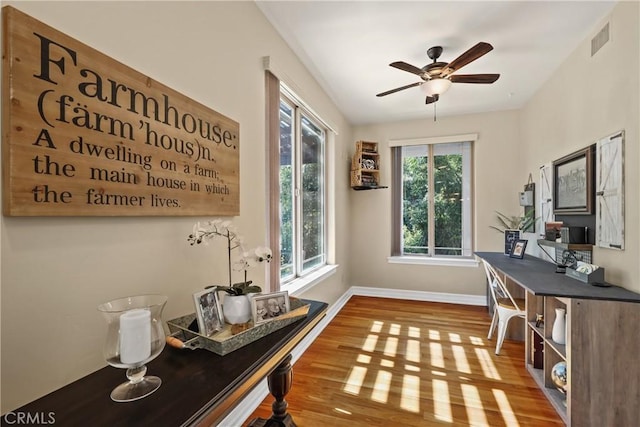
(225, 342)
(597, 276)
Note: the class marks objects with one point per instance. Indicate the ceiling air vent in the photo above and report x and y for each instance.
(600, 39)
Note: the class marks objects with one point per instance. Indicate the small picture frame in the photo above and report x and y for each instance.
(510, 236)
(518, 248)
(266, 307)
(208, 311)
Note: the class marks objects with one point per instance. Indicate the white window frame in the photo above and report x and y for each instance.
(464, 260)
(300, 109)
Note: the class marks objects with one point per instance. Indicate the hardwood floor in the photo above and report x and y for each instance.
(387, 362)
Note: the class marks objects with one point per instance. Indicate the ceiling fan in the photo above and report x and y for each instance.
(438, 76)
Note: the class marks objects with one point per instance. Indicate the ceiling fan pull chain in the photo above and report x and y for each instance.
(434, 111)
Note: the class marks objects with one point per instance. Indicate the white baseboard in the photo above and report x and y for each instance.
(418, 295)
(249, 404)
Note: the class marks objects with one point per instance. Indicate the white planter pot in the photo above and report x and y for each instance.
(236, 308)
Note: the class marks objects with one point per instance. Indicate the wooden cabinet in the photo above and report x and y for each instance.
(600, 352)
(602, 342)
(365, 166)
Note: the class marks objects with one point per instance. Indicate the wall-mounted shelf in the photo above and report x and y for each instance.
(566, 246)
(365, 166)
(368, 187)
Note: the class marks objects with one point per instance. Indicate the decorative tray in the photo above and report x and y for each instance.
(225, 342)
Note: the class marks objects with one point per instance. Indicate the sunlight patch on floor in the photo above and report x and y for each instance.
(441, 405)
(505, 408)
(355, 380)
(394, 329)
(386, 363)
(462, 364)
(370, 343)
(410, 391)
(364, 359)
(381, 387)
(376, 328)
(476, 340)
(410, 399)
(473, 405)
(391, 347)
(437, 359)
(413, 332)
(488, 368)
(413, 351)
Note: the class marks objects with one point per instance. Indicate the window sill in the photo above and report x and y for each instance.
(418, 260)
(302, 284)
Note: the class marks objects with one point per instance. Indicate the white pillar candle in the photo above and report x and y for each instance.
(135, 335)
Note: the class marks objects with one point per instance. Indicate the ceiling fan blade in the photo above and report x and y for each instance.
(407, 67)
(398, 89)
(470, 55)
(431, 99)
(474, 78)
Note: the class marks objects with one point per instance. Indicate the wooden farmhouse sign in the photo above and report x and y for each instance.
(85, 135)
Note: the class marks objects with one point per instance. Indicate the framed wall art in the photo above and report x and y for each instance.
(573, 190)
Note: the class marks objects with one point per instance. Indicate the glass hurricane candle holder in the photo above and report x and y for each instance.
(135, 336)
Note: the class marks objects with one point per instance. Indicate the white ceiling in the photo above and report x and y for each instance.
(348, 46)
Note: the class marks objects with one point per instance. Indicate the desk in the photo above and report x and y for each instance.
(198, 386)
(539, 278)
(602, 343)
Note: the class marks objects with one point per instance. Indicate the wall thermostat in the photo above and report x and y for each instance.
(526, 198)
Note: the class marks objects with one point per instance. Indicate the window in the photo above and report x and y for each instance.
(432, 199)
(302, 190)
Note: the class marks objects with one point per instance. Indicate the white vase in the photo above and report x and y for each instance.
(236, 308)
(558, 333)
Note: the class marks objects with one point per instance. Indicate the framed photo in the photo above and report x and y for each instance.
(518, 248)
(208, 311)
(266, 307)
(573, 183)
(510, 236)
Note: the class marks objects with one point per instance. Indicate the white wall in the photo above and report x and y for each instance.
(586, 99)
(494, 168)
(55, 271)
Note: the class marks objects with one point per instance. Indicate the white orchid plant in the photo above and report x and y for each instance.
(247, 259)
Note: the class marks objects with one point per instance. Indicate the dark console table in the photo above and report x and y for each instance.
(601, 348)
(198, 387)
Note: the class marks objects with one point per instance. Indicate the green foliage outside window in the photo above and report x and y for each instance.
(447, 204)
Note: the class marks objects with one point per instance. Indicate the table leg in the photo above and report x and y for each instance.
(279, 382)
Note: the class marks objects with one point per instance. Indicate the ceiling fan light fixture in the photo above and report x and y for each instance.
(436, 86)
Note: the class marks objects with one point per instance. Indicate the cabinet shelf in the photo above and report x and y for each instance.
(561, 349)
(538, 330)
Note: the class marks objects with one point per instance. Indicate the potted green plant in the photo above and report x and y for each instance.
(511, 226)
(507, 222)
